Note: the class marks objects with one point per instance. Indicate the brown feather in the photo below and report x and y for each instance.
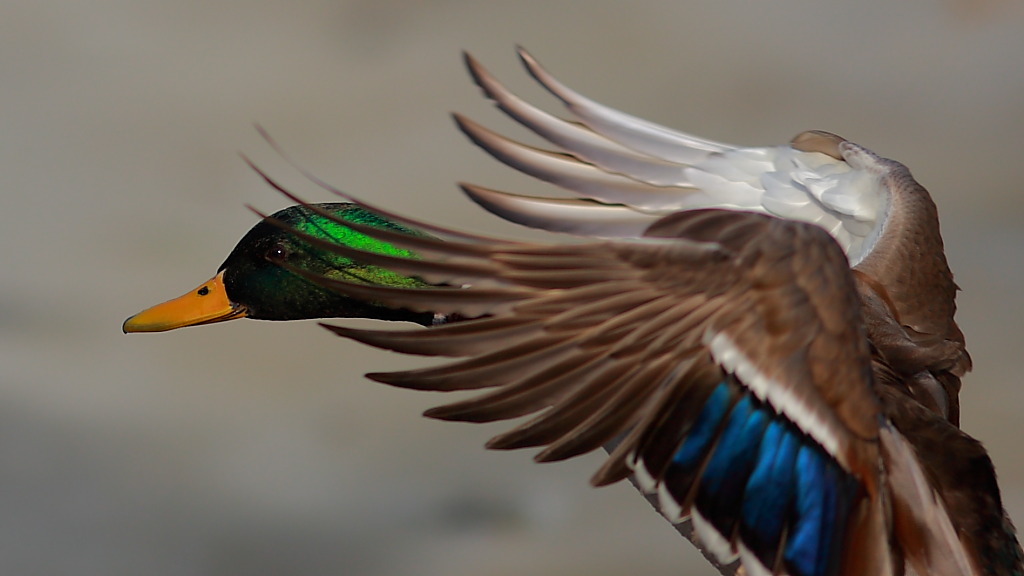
(616, 415)
(587, 396)
(468, 338)
(484, 371)
(525, 396)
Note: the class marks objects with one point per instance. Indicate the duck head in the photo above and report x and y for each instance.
(263, 277)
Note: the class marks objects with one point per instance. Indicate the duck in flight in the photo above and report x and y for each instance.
(763, 338)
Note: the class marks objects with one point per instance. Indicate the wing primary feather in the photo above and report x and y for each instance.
(568, 172)
(469, 302)
(603, 311)
(522, 397)
(564, 413)
(633, 132)
(556, 302)
(643, 336)
(485, 371)
(576, 138)
(533, 391)
(422, 244)
(550, 425)
(567, 278)
(472, 337)
(566, 215)
(412, 223)
(616, 415)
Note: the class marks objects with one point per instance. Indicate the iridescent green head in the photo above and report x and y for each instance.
(257, 280)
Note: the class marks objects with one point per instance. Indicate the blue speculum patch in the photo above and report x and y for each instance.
(761, 478)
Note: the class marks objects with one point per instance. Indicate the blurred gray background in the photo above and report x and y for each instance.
(257, 448)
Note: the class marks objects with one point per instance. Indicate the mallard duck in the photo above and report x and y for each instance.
(763, 338)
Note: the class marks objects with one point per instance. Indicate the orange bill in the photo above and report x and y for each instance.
(206, 304)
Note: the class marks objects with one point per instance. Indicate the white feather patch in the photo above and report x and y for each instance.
(847, 199)
(670, 509)
(713, 540)
(647, 483)
(780, 397)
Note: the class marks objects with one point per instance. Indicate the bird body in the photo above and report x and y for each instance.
(765, 337)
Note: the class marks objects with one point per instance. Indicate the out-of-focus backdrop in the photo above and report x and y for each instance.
(257, 448)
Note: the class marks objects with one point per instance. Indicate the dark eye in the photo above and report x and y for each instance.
(277, 253)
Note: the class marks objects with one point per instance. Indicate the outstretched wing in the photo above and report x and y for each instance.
(724, 351)
(628, 172)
